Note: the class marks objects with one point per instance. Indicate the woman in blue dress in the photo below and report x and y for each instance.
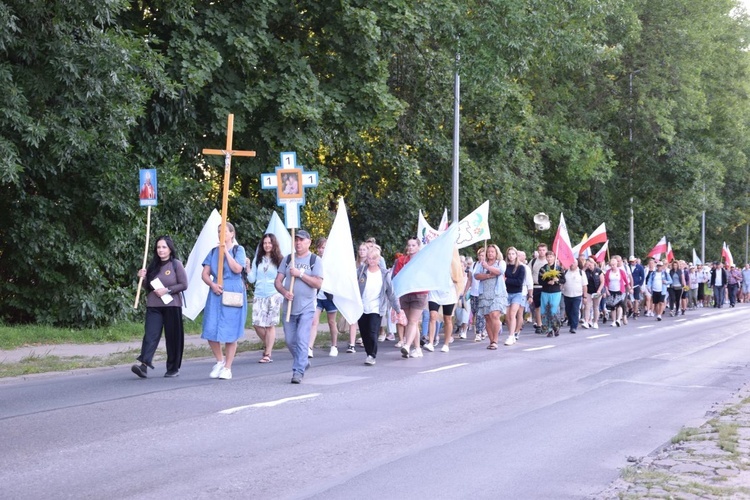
(223, 323)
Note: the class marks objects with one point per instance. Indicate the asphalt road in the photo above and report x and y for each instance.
(546, 418)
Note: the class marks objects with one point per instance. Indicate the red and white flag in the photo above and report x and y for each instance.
(561, 245)
(602, 253)
(670, 253)
(727, 255)
(659, 248)
(598, 236)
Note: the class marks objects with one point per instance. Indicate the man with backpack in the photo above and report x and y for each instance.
(307, 276)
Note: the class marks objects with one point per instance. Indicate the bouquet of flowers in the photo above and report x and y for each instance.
(551, 274)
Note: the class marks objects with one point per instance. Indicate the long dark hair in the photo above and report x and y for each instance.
(153, 267)
(276, 256)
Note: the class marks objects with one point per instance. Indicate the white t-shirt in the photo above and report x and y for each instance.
(658, 282)
(614, 280)
(528, 283)
(371, 293)
(575, 282)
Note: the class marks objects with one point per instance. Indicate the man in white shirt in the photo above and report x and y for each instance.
(574, 290)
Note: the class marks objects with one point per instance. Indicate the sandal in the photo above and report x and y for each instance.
(266, 359)
(492, 346)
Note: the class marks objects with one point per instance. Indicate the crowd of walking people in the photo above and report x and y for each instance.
(494, 295)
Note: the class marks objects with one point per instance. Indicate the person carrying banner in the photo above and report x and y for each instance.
(412, 304)
(301, 299)
(224, 322)
(163, 314)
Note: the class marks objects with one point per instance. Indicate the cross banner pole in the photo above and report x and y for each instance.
(227, 154)
(225, 200)
(145, 256)
(291, 282)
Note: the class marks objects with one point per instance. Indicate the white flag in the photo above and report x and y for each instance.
(340, 268)
(428, 269)
(197, 291)
(696, 260)
(425, 232)
(475, 227)
(444, 222)
(277, 228)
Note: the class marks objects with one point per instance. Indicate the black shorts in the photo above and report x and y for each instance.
(537, 297)
(658, 297)
(637, 293)
(447, 308)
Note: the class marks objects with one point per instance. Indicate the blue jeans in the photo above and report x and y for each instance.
(732, 289)
(297, 337)
(550, 309)
(573, 310)
(719, 295)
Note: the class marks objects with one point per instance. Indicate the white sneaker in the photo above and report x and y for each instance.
(510, 340)
(399, 345)
(478, 337)
(334, 351)
(216, 370)
(585, 325)
(417, 353)
(445, 348)
(462, 336)
(596, 326)
(225, 374)
(429, 347)
(309, 352)
(369, 361)
(381, 337)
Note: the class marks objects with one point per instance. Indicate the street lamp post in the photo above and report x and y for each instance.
(632, 160)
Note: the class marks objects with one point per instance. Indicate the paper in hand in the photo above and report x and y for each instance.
(156, 284)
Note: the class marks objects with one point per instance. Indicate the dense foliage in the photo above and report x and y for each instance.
(574, 106)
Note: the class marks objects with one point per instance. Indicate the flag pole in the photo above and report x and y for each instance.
(291, 283)
(145, 256)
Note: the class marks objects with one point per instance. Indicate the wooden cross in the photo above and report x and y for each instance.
(227, 154)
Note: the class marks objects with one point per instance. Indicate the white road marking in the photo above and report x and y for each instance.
(598, 336)
(540, 348)
(654, 384)
(646, 326)
(680, 320)
(449, 367)
(268, 404)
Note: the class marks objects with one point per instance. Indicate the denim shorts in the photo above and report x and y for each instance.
(517, 298)
(326, 305)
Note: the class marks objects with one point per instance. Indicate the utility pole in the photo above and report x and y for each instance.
(456, 122)
(632, 160)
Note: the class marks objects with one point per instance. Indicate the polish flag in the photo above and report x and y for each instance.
(670, 253)
(577, 249)
(602, 253)
(561, 245)
(659, 248)
(727, 255)
(598, 236)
